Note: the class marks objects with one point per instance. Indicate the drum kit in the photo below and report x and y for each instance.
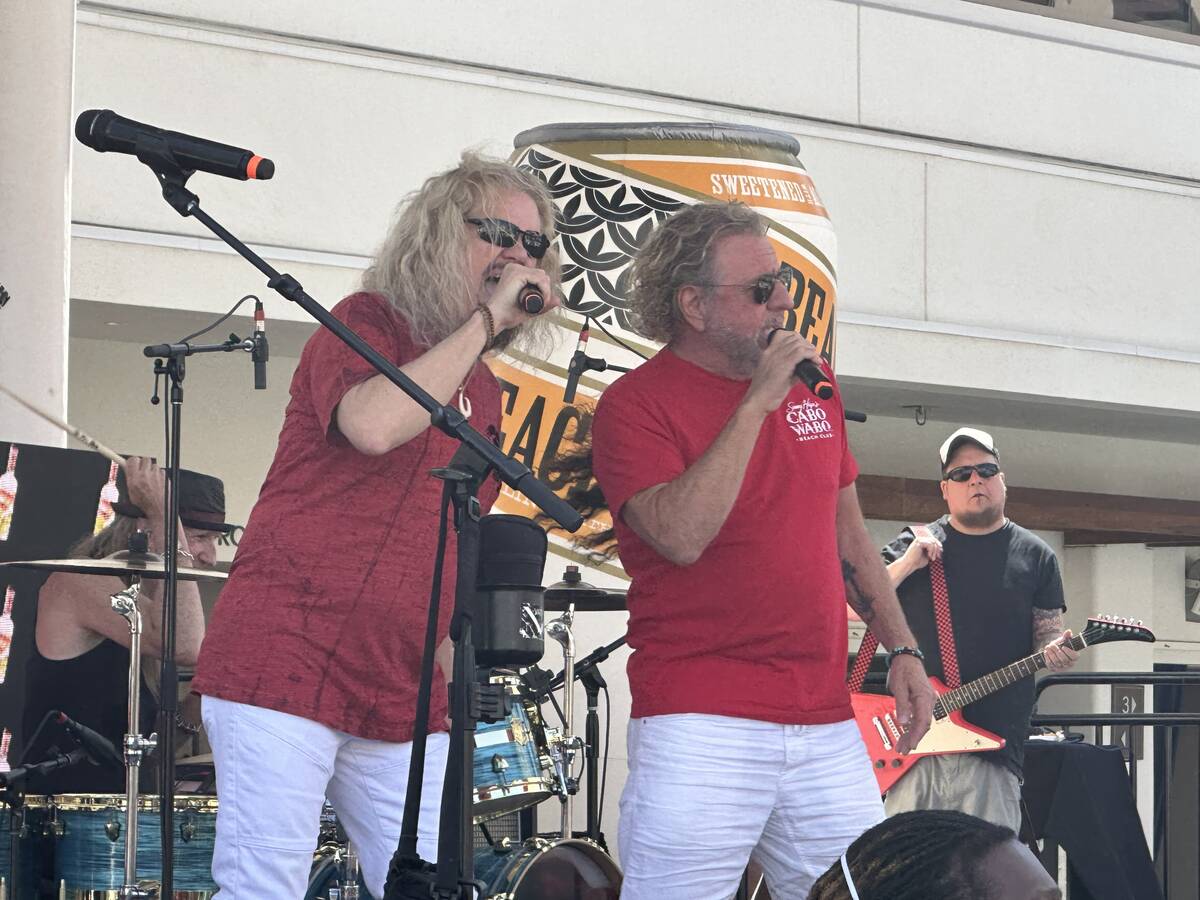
(107, 846)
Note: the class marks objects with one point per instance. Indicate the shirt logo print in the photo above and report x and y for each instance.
(809, 420)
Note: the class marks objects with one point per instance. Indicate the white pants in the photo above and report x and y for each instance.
(704, 793)
(274, 771)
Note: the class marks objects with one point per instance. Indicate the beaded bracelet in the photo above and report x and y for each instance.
(489, 325)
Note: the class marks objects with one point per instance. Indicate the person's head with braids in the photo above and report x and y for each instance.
(936, 855)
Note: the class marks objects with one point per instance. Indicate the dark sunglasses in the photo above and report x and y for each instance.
(505, 234)
(761, 288)
(963, 473)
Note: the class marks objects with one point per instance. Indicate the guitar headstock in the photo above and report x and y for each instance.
(1104, 629)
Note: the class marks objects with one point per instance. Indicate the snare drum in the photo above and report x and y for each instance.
(89, 858)
(540, 869)
(511, 768)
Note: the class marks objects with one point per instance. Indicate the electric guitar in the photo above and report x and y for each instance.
(949, 732)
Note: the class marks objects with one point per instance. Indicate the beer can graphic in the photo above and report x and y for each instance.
(612, 183)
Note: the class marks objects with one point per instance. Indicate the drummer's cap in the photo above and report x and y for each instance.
(968, 436)
(201, 501)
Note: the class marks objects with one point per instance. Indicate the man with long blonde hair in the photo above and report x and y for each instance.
(310, 669)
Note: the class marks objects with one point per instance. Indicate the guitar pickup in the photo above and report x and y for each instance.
(883, 736)
(893, 727)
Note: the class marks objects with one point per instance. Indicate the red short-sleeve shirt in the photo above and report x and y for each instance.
(756, 628)
(324, 612)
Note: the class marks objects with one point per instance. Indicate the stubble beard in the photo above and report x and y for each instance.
(982, 518)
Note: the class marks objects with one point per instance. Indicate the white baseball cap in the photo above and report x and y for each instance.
(962, 436)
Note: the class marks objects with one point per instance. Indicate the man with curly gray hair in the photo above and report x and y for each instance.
(732, 494)
(310, 668)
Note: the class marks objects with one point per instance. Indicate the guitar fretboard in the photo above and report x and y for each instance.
(988, 684)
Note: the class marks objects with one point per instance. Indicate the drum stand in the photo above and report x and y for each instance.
(563, 754)
(125, 603)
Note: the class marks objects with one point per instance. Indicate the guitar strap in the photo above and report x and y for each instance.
(941, 614)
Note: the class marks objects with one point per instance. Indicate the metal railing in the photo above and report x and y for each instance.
(1159, 721)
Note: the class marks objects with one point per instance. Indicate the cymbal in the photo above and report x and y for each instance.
(143, 565)
(585, 600)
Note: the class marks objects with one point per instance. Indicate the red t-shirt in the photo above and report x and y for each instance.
(756, 628)
(324, 612)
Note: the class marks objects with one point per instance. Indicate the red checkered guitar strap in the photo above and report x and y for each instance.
(941, 612)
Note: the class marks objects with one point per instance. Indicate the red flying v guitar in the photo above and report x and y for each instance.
(949, 732)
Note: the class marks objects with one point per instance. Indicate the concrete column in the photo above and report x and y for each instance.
(37, 46)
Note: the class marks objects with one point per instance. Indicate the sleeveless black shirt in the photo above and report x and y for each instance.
(92, 689)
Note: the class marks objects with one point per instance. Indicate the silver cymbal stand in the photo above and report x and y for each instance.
(125, 603)
(570, 744)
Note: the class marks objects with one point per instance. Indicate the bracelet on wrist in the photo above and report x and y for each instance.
(904, 651)
(489, 325)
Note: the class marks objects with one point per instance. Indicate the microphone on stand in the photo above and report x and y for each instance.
(99, 749)
(261, 352)
(103, 130)
(578, 363)
(809, 372)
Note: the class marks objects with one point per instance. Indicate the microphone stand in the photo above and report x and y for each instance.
(169, 362)
(586, 671)
(154, 151)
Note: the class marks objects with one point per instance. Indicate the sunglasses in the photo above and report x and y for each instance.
(963, 473)
(761, 288)
(505, 234)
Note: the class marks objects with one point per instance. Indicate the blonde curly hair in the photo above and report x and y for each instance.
(421, 266)
(677, 253)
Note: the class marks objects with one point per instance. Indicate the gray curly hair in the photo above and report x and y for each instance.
(677, 253)
(421, 267)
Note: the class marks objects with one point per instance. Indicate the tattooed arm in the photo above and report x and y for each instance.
(870, 594)
(1048, 634)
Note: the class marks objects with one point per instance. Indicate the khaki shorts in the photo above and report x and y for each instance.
(963, 781)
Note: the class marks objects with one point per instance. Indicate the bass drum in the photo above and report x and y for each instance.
(540, 869)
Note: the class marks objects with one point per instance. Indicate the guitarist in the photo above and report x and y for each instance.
(1005, 600)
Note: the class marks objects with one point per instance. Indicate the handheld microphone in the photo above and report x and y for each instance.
(530, 299)
(103, 130)
(261, 352)
(809, 372)
(100, 750)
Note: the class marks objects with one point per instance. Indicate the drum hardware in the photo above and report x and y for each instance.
(564, 751)
(125, 604)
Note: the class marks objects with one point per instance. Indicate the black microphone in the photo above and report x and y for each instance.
(530, 299)
(45, 767)
(261, 352)
(809, 372)
(100, 750)
(104, 130)
(597, 656)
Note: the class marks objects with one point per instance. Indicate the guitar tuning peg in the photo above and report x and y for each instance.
(1139, 623)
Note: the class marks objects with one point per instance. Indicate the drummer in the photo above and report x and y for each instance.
(80, 658)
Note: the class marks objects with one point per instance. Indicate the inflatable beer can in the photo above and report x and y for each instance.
(612, 184)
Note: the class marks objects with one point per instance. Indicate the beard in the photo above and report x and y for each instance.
(744, 351)
(982, 518)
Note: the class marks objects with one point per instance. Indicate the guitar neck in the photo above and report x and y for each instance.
(988, 684)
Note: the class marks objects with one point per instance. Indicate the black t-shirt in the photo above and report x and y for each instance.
(994, 580)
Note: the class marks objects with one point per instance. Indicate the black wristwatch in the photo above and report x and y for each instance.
(904, 651)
